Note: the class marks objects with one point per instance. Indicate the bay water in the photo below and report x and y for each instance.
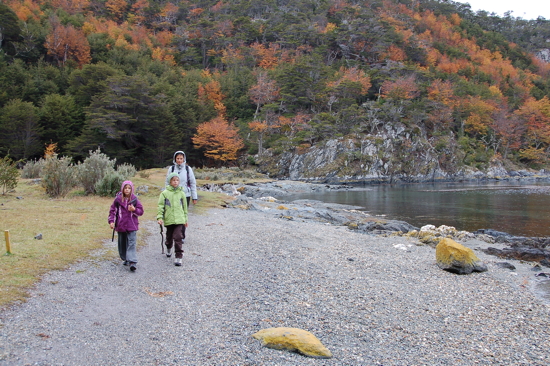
(517, 208)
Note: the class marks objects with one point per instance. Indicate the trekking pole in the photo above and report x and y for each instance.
(161, 238)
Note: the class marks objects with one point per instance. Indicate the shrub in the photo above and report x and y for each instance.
(93, 169)
(8, 174)
(127, 171)
(110, 184)
(59, 176)
(32, 169)
(144, 174)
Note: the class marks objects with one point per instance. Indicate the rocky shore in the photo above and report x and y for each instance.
(371, 297)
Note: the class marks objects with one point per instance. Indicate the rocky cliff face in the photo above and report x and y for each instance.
(544, 54)
(391, 156)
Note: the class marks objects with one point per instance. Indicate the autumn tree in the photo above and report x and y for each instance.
(219, 139)
(349, 84)
(263, 92)
(67, 43)
(403, 88)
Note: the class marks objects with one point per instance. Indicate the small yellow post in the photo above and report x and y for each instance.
(8, 245)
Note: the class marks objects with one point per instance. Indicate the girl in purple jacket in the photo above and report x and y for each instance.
(123, 217)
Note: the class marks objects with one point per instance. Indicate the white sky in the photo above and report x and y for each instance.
(526, 9)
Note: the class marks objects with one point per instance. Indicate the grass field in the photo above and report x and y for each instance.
(71, 228)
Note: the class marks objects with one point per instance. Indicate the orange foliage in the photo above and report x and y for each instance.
(71, 6)
(232, 55)
(354, 75)
(117, 8)
(401, 88)
(442, 92)
(266, 57)
(536, 114)
(394, 53)
(164, 37)
(196, 12)
(51, 150)
(68, 43)
(220, 139)
(211, 91)
(217, 7)
(138, 12)
(26, 9)
(479, 115)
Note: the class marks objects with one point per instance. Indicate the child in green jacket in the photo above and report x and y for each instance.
(172, 212)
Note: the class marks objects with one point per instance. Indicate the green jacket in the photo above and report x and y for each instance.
(172, 206)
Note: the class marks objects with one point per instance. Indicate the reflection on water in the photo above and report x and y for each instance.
(518, 209)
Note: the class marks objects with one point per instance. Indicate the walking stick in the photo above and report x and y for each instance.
(162, 238)
(116, 222)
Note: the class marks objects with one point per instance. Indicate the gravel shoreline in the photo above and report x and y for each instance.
(368, 300)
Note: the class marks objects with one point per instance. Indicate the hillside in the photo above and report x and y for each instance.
(413, 85)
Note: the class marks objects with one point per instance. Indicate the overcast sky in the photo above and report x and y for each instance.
(526, 9)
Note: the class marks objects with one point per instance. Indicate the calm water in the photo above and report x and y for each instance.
(519, 209)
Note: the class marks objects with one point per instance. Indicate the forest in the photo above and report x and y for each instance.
(227, 81)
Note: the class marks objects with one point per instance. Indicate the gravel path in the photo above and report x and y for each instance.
(369, 302)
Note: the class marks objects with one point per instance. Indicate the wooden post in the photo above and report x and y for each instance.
(8, 245)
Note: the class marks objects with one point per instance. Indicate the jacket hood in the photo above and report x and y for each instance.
(171, 176)
(124, 184)
(177, 153)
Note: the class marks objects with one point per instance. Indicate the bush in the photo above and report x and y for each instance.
(144, 174)
(93, 169)
(32, 169)
(127, 171)
(59, 176)
(110, 184)
(8, 174)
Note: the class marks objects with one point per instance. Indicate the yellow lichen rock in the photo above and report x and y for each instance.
(454, 257)
(293, 339)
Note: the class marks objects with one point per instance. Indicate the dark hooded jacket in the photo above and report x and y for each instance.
(125, 220)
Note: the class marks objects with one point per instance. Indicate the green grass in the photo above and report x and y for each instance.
(71, 227)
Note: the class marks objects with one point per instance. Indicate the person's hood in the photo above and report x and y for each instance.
(170, 178)
(130, 184)
(177, 153)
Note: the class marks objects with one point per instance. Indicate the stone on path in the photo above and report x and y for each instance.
(293, 339)
(456, 258)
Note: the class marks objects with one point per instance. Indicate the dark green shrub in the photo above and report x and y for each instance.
(109, 185)
(8, 174)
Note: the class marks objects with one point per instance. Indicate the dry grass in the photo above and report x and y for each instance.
(71, 229)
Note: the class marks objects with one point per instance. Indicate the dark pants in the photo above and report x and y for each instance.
(174, 238)
(183, 226)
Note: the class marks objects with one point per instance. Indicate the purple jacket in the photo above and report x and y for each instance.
(125, 220)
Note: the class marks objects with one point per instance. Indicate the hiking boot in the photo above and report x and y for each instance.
(169, 252)
(133, 267)
(125, 263)
(177, 262)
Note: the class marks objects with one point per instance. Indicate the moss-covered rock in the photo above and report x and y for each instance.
(456, 258)
(293, 339)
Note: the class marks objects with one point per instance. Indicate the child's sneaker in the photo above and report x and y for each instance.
(133, 267)
(169, 252)
(177, 262)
